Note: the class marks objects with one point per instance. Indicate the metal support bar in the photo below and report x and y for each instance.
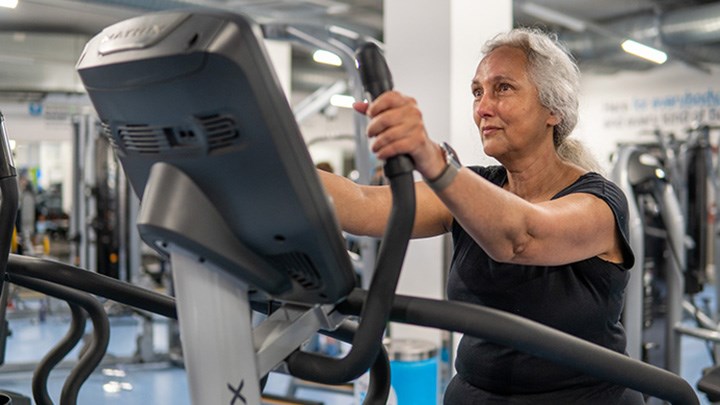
(216, 332)
(700, 333)
(699, 316)
(633, 309)
(286, 329)
(674, 221)
(317, 100)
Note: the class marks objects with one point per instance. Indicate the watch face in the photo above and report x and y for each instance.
(451, 157)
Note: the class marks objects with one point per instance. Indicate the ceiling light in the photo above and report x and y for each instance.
(340, 100)
(644, 51)
(19, 60)
(554, 17)
(8, 3)
(326, 57)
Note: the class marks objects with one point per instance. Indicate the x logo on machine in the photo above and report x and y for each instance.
(237, 392)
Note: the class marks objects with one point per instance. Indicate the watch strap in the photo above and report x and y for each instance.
(441, 182)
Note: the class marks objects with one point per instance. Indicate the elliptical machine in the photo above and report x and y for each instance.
(206, 137)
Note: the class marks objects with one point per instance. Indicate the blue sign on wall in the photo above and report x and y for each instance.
(35, 109)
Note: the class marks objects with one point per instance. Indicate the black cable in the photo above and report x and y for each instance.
(101, 331)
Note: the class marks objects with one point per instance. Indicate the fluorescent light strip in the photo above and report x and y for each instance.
(340, 100)
(554, 17)
(8, 3)
(326, 57)
(644, 51)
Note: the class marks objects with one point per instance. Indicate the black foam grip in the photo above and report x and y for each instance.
(376, 79)
(373, 69)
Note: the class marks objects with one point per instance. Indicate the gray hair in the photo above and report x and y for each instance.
(557, 78)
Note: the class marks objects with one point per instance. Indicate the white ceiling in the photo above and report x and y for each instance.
(52, 31)
(91, 16)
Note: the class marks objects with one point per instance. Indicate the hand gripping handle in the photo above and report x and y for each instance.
(376, 79)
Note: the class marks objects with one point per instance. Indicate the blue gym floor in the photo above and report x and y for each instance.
(119, 380)
(162, 383)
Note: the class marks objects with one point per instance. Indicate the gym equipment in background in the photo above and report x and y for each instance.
(670, 184)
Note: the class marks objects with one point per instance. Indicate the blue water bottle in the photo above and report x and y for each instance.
(414, 371)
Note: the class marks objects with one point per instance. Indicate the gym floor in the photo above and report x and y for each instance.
(122, 380)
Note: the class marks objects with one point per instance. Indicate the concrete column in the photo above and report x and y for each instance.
(433, 48)
(281, 56)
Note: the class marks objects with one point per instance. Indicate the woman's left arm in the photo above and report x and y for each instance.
(564, 230)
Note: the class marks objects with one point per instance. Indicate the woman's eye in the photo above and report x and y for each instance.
(477, 93)
(504, 87)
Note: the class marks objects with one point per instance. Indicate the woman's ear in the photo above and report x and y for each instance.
(553, 119)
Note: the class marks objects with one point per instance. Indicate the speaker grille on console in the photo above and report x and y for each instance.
(299, 267)
(220, 130)
(144, 138)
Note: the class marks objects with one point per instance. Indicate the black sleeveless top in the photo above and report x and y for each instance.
(583, 299)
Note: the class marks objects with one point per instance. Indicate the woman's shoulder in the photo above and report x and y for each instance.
(598, 185)
(495, 174)
(595, 183)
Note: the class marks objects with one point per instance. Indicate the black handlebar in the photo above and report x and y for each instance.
(373, 69)
(88, 361)
(375, 313)
(536, 339)
(9, 195)
(376, 79)
(7, 164)
(94, 283)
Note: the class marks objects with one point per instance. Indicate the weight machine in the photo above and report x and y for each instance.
(671, 185)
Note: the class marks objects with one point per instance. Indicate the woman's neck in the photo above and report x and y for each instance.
(540, 180)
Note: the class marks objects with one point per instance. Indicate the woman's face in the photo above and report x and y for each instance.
(506, 109)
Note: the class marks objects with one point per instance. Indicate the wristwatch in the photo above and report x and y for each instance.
(452, 165)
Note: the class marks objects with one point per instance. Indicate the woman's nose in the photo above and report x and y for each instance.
(484, 106)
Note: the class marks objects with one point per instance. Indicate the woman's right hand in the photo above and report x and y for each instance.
(396, 127)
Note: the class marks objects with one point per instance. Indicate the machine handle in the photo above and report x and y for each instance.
(373, 69)
(10, 200)
(376, 79)
(7, 164)
(367, 342)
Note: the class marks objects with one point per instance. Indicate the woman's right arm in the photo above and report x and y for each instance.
(365, 210)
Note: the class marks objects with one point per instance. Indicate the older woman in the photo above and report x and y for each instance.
(542, 236)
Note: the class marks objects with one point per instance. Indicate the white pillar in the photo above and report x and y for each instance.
(432, 48)
(280, 54)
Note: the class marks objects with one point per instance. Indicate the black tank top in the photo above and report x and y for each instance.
(583, 299)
